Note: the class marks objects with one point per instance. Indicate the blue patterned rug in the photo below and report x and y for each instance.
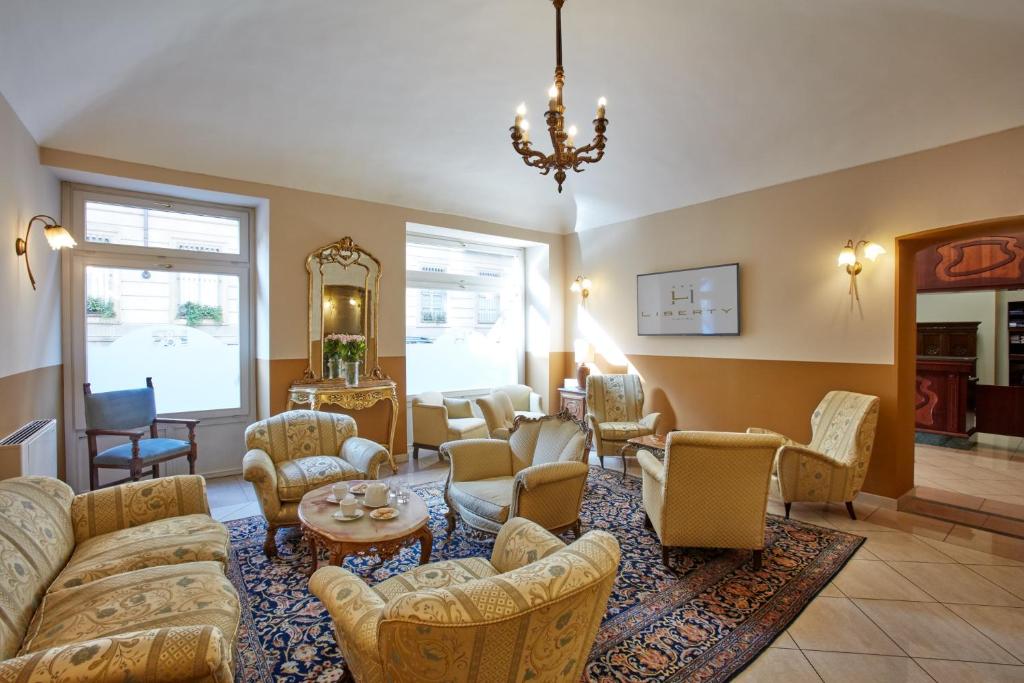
(704, 620)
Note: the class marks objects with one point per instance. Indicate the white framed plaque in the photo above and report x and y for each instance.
(692, 301)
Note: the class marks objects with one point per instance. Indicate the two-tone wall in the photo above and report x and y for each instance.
(30, 357)
(802, 334)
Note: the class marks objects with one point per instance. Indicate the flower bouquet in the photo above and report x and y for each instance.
(348, 348)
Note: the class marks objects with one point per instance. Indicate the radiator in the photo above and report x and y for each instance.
(30, 450)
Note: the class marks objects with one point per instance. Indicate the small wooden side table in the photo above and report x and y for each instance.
(654, 443)
(364, 536)
(574, 400)
(365, 394)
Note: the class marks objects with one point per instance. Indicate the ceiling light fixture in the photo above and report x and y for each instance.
(565, 155)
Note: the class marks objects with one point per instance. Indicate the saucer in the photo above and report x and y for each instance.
(342, 518)
(382, 505)
(383, 513)
(357, 489)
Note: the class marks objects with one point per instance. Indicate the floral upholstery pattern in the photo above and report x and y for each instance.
(615, 406)
(538, 473)
(191, 594)
(435, 575)
(534, 621)
(121, 507)
(298, 451)
(295, 477)
(833, 466)
(188, 538)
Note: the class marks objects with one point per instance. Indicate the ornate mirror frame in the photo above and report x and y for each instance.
(347, 254)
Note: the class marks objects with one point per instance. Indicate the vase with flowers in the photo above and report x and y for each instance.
(347, 349)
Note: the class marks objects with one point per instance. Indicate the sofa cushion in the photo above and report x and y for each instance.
(488, 498)
(179, 595)
(149, 449)
(621, 431)
(466, 428)
(36, 539)
(296, 477)
(436, 575)
(175, 540)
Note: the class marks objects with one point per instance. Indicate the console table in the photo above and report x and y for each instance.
(573, 400)
(367, 393)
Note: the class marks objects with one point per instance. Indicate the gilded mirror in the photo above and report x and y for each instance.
(344, 293)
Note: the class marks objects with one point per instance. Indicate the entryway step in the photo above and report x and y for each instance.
(966, 510)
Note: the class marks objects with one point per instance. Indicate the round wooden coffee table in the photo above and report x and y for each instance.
(364, 536)
(655, 443)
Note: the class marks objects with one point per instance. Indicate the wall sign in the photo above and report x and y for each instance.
(702, 301)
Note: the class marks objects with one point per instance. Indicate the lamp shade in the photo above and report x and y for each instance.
(58, 237)
(872, 251)
(584, 351)
(847, 257)
(575, 286)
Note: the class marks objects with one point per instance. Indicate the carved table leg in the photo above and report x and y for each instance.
(314, 551)
(392, 426)
(426, 543)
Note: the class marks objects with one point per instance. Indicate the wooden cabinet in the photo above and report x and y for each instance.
(574, 400)
(948, 339)
(942, 404)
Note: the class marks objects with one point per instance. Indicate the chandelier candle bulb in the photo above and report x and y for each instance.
(601, 104)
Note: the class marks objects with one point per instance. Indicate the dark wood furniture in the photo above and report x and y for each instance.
(943, 395)
(989, 262)
(948, 339)
(113, 411)
(1015, 345)
(655, 443)
(573, 400)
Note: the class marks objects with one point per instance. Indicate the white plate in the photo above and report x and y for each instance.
(342, 518)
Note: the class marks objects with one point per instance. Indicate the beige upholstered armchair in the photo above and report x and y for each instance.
(540, 473)
(615, 407)
(298, 451)
(530, 613)
(833, 466)
(711, 491)
(436, 419)
(504, 405)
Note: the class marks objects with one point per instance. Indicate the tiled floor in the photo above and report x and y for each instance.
(922, 600)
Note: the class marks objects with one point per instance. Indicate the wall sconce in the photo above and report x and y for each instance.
(581, 285)
(848, 257)
(57, 236)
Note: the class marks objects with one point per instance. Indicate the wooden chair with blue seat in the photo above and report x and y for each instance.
(128, 412)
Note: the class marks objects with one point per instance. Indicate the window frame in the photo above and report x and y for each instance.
(103, 254)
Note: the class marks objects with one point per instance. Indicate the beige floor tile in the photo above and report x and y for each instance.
(879, 581)
(841, 667)
(987, 541)
(967, 556)
(835, 624)
(240, 512)
(1004, 625)
(912, 524)
(955, 583)
(1014, 527)
(1009, 578)
(776, 664)
(784, 641)
(899, 546)
(225, 491)
(865, 554)
(945, 671)
(226, 512)
(928, 629)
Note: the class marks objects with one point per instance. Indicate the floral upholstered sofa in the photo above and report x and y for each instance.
(120, 584)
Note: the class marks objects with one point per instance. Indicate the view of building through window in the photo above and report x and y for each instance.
(464, 315)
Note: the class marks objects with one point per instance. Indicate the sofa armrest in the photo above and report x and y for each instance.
(786, 441)
(536, 476)
(651, 421)
(356, 611)
(135, 503)
(365, 455)
(473, 459)
(168, 655)
(651, 466)
(521, 542)
(259, 470)
(536, 405)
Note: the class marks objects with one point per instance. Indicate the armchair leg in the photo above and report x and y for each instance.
(156, 471)
(415, 454)
(647, 522)
(346, 676)
(576, 530)
(94, 477)
(664, 556)
(601, 458)
(788, 506)
(192, 463)
(270, 544)
(849, 509)
(757, 560)
(450, 519)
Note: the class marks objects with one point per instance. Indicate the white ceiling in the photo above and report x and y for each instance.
(408, 102)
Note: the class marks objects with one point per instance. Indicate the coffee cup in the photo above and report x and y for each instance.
(377, 494)
(340, 490)
(348, 505)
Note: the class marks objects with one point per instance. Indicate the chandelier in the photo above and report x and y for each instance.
(566, 154)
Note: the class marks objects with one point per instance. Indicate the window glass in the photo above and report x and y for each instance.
(145, 227)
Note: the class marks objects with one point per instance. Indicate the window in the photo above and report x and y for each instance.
(161, 289)
(464, 318)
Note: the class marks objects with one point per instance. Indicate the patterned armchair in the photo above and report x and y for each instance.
(500, 408)
(540, 473)
(297, 451)
(711, 491)
(436, 419)
(615, 406)
(122, 584)
(530, 613)
(833, 466)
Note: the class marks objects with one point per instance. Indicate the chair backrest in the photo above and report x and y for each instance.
(552, 438)
(615, 398)
(519, 394)
(498, 411)
(122, 409)
(843, 426)
(430, 398)
(300, 433)
(716, 488)
(36, 540)
(536, 622)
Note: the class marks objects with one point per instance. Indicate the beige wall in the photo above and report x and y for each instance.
(980, 306)
(794, 299)
(30, 377)
(299, 222)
